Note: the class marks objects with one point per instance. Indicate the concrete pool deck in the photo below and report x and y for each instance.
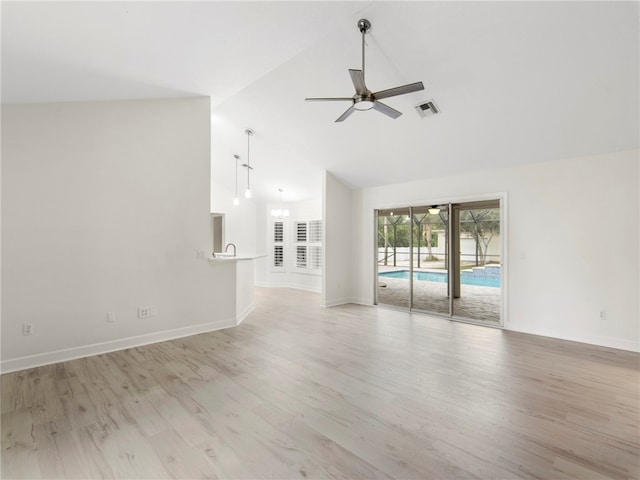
(475, 303)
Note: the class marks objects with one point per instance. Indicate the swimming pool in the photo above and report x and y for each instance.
(467, 277)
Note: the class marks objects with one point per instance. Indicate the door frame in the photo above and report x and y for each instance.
(502, 197)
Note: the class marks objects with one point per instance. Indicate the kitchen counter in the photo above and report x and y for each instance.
(230, 258)
(240, 270)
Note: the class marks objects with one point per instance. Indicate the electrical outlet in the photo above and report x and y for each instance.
(27, 329)
(144, 312)
(111, 317)
(603, 314)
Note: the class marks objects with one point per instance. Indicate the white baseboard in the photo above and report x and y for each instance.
(362, 301)
(38, 360)
(599, 340)
(341, 301)
(244, 314)
(289, 285)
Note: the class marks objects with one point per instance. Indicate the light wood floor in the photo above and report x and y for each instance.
(298, 391)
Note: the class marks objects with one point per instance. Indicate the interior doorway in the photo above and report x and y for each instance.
(217, 224)
(443, 259)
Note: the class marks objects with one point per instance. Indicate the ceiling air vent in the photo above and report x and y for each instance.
(427, 109)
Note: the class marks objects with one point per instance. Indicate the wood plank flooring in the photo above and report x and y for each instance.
(298, 391)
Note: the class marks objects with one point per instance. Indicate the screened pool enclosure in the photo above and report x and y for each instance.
(442, 259)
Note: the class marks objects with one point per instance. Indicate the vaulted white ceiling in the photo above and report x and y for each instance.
(516, 82)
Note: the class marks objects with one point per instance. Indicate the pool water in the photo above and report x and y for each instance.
(467, 277)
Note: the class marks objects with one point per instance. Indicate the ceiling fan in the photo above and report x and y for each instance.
(364, 99)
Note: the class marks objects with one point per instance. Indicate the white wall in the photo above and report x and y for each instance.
(104, 208)
(556, 290)
(240, 220)
(268, 277)
(338, 242)
(361, 239)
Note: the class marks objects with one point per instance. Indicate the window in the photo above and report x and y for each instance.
(278, 245)
(315, 231)
(308, 245)
(278, 232)
(301, 256)
(296, 246)
(315, 244)
(301, 231)
(278, 256)
(315, 256)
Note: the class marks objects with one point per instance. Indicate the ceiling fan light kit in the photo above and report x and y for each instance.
(363, 105)
(364, 99)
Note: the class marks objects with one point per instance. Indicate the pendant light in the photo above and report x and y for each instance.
(434, 210)
(247, 192)
(236, 200)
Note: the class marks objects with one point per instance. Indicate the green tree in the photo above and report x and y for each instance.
(482, 225)
(424, 232)
(393, 232)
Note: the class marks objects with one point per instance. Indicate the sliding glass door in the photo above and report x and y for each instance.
(478, 263)
(393, 260)
(441, 259)
(430, 259)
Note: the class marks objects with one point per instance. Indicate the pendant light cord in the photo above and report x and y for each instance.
(236, 157)
(248, 160)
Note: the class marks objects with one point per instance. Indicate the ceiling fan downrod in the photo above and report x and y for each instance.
(364, 26)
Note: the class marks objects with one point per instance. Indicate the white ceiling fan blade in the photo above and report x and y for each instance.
(346, 114)
(357, 77)
(392, 92)
(386, 109)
